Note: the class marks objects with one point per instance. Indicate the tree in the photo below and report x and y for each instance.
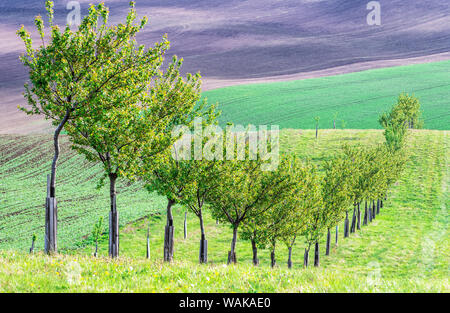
(134, 116)
(97, 233)
(317, 118)
(178, 176)
(245, 191)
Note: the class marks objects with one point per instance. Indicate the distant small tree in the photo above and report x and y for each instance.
(141, 107)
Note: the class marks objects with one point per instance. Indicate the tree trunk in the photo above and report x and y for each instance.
(255, 252)
(353, 227)
(337, 235)
(168, 234)
(378, 206)
(358, 215)
(370, 211)
(113, 218)
(317, 131)
(365, 214)
(203, 254)
(232, 252)
(381, 203)
(306, 257)
(289, 262)
(328, 242)
(374, 210)
(185, 225)
(346, 225)
(272, 255)
(51, 211)
(316, 254)
(334, 124)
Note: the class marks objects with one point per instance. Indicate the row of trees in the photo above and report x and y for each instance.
(119, 108)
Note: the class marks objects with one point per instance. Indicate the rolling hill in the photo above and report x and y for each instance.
(354, 100)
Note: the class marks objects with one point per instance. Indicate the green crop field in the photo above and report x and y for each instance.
(405, 249)
(355, 99)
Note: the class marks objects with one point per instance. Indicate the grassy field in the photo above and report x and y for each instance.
(354, 98)
(405, 249)
(24, 164)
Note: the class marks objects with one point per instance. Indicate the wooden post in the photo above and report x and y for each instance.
(358, 215)
(185, 225)
(148, 243)
(374, 210)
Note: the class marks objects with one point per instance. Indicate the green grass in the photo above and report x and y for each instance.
(24, 164)
(405, 249)
(356, 98)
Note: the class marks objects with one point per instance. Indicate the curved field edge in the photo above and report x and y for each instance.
(351, 99)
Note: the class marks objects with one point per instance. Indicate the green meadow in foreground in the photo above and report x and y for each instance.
(351, 99)
(405, 249)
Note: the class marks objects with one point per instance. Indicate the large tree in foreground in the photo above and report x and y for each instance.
(76, 73)
(138, 109)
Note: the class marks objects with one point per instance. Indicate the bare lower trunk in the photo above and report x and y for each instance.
(255, 253)
(289, 262)
(168, 234)
(358, 216)
(328, 242)
(185, 225)
(365, 214)
(316, 254)
(346, 225)
(306, 257)
(353, 227)
(232, 252)
(370, 212)
(272, 256)
(113, 219)
(203, 253)
(374, 210)
(51, 211)
(378, 206)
